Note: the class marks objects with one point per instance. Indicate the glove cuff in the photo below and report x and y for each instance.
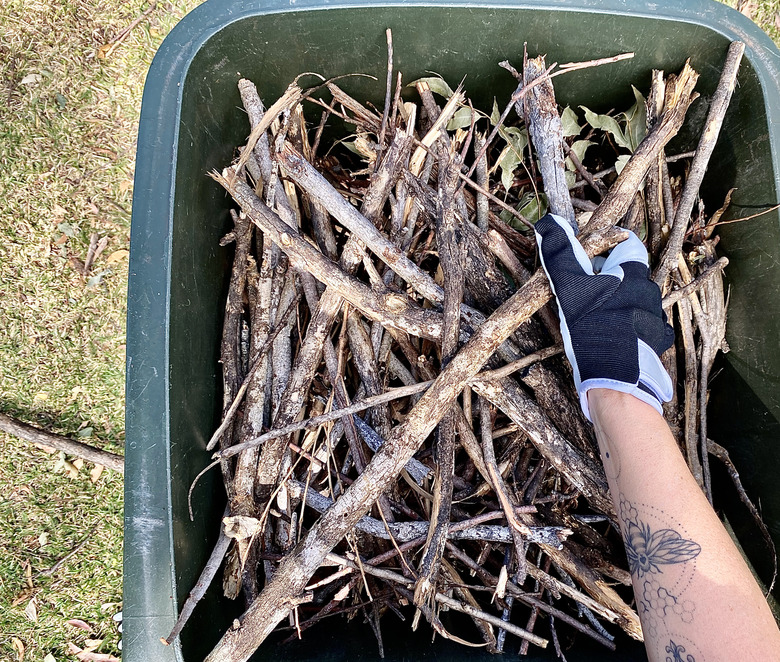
(654, 385)
(614, 385)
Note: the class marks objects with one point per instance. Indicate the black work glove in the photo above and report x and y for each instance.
(613, 326)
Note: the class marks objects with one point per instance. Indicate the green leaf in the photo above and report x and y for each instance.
(608, 124)
(508, 161)
(621, 162)
(533, 207)
(571, 126)
(85, 432)
(437, 84)
(515, 136)
(61, 100)
(351, 145)
(579, 147)
(495, 115)
(636, 120)
(67, 229)
(460, 120)
(512, 156)
(571, 179)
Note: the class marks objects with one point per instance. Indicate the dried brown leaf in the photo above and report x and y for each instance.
(90, 656)
(78, 623)
(117, 256)
(96, 472)
(241, 527)
(747, 7)
(78, 266)
(19, 648)
(31, 610)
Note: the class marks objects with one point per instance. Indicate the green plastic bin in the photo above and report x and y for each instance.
(191, 121)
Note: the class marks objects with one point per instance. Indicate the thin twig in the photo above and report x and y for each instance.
(388, 396)
(50, 571)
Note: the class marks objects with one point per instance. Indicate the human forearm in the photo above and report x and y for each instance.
(696, 597)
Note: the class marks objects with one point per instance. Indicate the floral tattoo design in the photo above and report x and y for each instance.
(663, 560)
(677, 653)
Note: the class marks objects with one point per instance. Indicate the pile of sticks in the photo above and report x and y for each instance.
(400, 428)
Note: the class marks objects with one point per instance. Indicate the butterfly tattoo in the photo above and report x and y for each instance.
(648, 550)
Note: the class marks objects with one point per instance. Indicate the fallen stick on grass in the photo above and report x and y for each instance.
(58, 442)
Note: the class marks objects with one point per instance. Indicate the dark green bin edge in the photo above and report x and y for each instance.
(176, 288)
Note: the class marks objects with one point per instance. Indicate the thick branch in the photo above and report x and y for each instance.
(60, 443)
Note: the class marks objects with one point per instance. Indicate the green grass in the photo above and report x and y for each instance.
(68, 121)
(67, 144)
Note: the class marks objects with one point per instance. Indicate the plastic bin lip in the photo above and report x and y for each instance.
(214, 15)
(148, 525)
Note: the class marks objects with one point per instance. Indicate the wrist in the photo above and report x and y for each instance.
(606, 401)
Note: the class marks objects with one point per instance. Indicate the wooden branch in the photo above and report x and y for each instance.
(718, 451)
(546, 130)
(679, 97)
(35, 435)
(391, 309)
(291, 98)
(654, 181)
(709, 138)
(456, 605)
(517, 528)
(311, 181)
(256, 110)
(450, 261)
(691, 391)
(404, 532)
(695, 285)
(582, 472)
(201, 586)
(513, 590)
(467, 597)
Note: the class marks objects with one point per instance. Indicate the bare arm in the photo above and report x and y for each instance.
(696, 598)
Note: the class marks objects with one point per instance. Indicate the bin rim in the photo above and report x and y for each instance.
(148, 318)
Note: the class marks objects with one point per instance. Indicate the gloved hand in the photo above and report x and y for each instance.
(613, 326)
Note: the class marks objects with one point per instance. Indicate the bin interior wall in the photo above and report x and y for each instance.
(456, 43)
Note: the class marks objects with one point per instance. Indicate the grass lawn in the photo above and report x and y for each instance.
(68, 117)
(69, 107)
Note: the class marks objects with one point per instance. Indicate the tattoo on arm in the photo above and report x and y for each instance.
(650, 549)
(662, 560)
(678, 653)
